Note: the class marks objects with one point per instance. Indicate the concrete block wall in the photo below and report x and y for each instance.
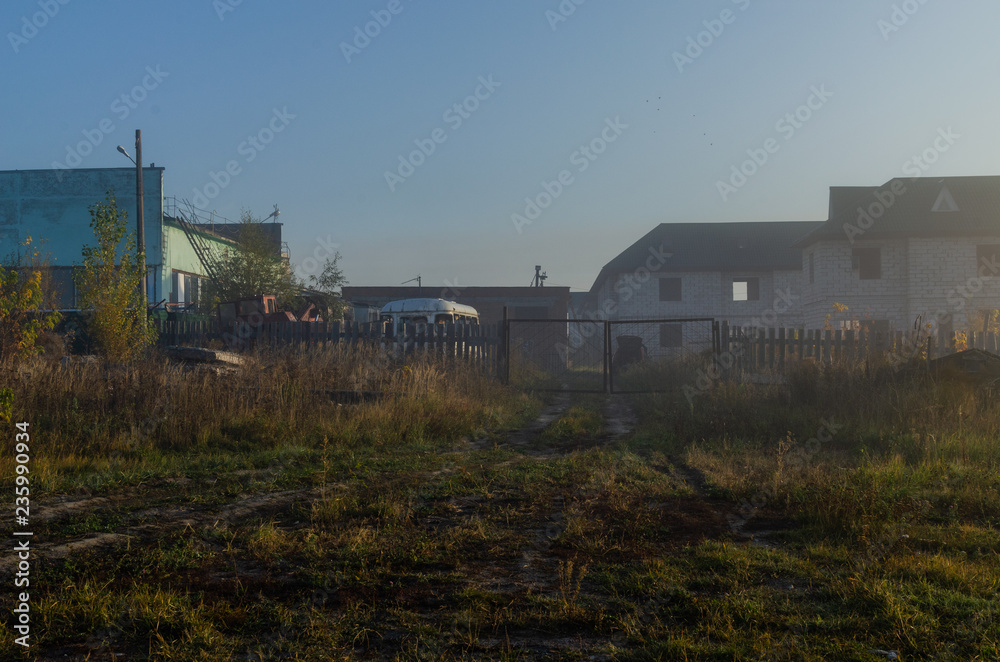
(947, 285)
(707, 294)
(837, 281)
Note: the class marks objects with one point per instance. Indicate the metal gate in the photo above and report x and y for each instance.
(599, 356)
(556, 355)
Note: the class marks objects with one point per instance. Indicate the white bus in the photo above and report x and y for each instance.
(426, 311)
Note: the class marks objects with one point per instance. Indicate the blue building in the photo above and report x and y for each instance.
(52, 207)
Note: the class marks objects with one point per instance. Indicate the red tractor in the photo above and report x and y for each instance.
(244, 318)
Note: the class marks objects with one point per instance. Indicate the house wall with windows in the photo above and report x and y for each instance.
(749, 274)
(871, 278)
(953, 277)
(182, 273)
(942, 280)
(931, 258)
(774, 295)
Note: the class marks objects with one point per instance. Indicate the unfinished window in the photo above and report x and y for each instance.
(988, 260)
(746, 289)
(671, 336)
(812, 268)
(868, 262)
(670, 289)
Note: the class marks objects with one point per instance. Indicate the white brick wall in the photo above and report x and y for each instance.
(707, 294)
(921, 277)
(934, 279)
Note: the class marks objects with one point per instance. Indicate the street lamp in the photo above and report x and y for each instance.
(140, 225)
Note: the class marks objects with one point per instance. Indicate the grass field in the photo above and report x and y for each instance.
(183, 515)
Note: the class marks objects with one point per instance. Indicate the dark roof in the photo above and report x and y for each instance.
(970, 361)
(756, 246)
(924, 206)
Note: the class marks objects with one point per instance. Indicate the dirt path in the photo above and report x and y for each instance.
(150, 522)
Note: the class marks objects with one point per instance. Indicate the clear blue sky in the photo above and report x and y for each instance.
(226, 72)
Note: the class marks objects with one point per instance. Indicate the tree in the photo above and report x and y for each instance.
(252, 267)
(109, 286)
(21, 301)
(328, 284)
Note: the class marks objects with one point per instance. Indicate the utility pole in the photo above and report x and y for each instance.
(140, 220)
(140, 224)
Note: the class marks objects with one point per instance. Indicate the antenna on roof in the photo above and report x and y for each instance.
(539, 279)
(273, 215)
(411, 280)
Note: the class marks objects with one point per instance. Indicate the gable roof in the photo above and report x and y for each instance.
(925, 206)
(756, 246)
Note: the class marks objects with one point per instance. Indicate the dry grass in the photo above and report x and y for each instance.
(404, 529)
(114, 425)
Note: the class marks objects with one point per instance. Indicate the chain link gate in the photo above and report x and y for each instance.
(648, 356)
(556, 355)
(597, 356)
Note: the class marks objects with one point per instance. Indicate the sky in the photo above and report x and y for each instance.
(466, 142)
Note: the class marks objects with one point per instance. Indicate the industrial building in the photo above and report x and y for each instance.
(52, 207)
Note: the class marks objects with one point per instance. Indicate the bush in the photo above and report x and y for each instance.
(21, 320)
(110, 285)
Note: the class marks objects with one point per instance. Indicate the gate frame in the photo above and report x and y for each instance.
(608, 349)
(606, 364)
(716, 345)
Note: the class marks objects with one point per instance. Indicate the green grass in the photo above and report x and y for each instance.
(716, 531)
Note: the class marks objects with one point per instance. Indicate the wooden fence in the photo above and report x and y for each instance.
(478, 344)
(770, 349)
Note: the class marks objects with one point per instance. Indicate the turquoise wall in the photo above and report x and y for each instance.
(178, 254)
(52, 206)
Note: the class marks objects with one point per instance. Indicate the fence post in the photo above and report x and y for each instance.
(770, 348)
(606, 362)
(503, 355)
(761, 349)
(782, 340)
